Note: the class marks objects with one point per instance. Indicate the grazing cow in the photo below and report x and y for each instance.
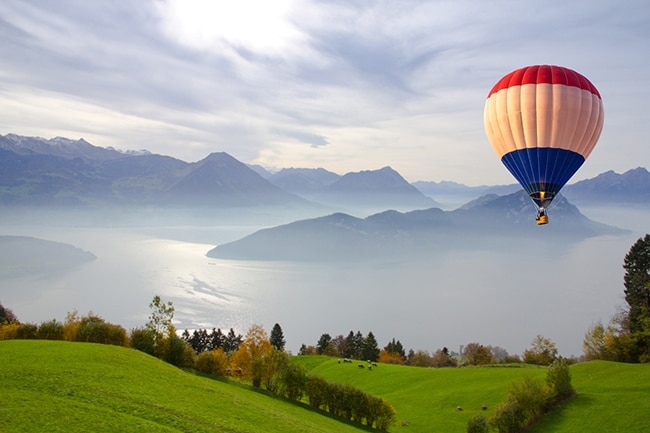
(361, 366)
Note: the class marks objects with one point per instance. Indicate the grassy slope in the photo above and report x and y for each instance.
(426, 399)
(612, 397)
(70, 387)
(82, 387)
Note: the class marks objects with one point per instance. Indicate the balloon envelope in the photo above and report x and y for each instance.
(543, 122)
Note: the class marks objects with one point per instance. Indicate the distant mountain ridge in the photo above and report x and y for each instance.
(35, 171)
(633, 186)
(340, 236)
(26, 256)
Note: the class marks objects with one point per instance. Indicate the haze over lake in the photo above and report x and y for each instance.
(500, 295)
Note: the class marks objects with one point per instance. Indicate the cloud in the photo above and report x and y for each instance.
(314, 140)
(398, 83)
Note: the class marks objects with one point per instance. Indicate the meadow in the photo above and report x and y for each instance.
(59, 386)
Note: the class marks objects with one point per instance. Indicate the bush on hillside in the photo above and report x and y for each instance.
(477, 424)
(143, 339)
(177, 352)
(530, 399)
(213, 362)
(558, 382)
(293, 381)
(9, 331)
(348, 402)
(94, 329)
(51, 330)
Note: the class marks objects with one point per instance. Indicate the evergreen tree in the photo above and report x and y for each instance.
(395, 347)
(232, 341)
(370, 348)
(637, 283)
(217, 339)
(637, 295)
(323, 342)
(277, 337)
(349, 346)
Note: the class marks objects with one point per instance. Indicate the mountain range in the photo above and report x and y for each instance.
(61, 171)
(403, 218)
(485, 221)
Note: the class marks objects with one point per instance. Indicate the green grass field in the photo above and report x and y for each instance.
(81, 387)
(68, 387)
(612, 397)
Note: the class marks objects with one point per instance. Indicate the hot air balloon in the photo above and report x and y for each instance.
(543, 122)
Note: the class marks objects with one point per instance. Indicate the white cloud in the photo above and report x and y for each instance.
(346, 85)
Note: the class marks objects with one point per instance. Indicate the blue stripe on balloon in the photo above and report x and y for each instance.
(543, 168)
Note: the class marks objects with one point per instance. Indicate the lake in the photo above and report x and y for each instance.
(495, 296)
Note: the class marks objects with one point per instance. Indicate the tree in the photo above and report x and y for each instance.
(160, 320)
(370, 349)
(637, 296)
(354, 345)
(637, 282)
(293, 379)
(6, 315)
(339, 345)
(277, 337)
(250, 357)
(477, 354)
(276, 363)
(213, 362)
(419, 358)
(442, 358)
(323, 342)
(217, 339)
(232, 341)
(395, 347)
(541, 352)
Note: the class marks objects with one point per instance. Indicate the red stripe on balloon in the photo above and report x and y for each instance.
(544, 74)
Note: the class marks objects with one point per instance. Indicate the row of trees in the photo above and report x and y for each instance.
(627, 336)
(355, 346)
(348, 402)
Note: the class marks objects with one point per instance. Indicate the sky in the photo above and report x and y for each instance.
(347, 85)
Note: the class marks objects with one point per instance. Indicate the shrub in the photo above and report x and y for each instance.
(212, 362)
(27, 331)
(177, 352)
(293, 381)
(71, 326)
(315, 390)
(94, 329)
(531, 395)
(508, 417)
(558, 380)
(385, 417)
(9, 332)
(143, 339)
(52, 330)
(477, 424)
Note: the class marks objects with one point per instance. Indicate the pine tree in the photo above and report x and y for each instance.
(637, 283)
(637, 295)
(277, 337)
(370, 348)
